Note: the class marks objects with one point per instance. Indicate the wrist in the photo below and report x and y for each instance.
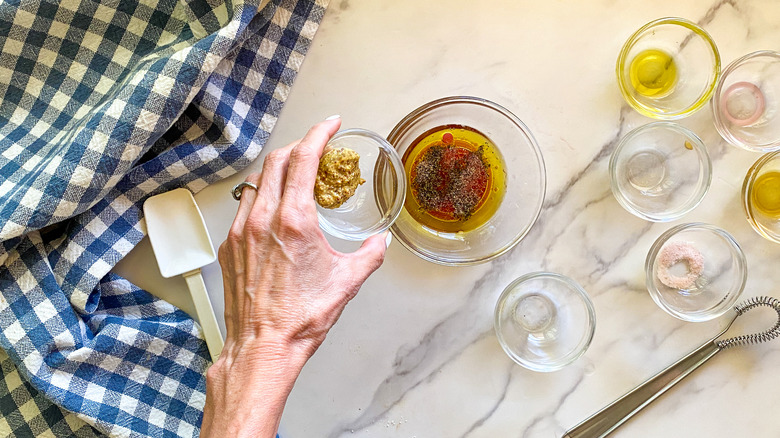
(247, 387)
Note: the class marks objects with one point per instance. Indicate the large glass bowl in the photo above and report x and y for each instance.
(746, 106)
(379, 200)
(695, 271)
(668, 68)
(525, 182)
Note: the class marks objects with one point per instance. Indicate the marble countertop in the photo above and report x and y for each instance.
(415, 355)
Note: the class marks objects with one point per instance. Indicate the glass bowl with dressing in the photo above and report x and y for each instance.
(668, 68)
(475, 180)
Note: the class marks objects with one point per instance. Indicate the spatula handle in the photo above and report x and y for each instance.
(208, 321)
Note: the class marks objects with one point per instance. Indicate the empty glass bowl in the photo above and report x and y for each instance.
(376, 203)
(668, 68)
(522, 180)
(746, 106)
(660, 171)
(544, 321)
(695, 271)
(761, 196)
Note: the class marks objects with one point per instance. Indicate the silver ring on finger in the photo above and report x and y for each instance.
(238, 188)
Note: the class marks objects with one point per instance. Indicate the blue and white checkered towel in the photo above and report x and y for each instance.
(101, 106)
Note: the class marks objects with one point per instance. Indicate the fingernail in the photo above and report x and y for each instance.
(334, 117)
(388, 239)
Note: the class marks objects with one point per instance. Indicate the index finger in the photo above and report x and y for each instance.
(305, 160)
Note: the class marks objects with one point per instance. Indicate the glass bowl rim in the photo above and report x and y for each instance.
(685, 112)
(573, 286)
(699, 147)
(404, 124)
(652, 254)
(720, 125)
(397, 205)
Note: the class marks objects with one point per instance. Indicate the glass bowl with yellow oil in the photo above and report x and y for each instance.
(668, 68)
(475, 180)
(761, 196)
(746, 105)
(660, 171)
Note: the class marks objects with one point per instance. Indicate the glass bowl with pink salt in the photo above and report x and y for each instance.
(695, 271)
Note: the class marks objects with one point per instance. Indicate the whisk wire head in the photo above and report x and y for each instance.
(755, 338)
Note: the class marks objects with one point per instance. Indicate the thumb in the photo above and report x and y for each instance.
(369, 257)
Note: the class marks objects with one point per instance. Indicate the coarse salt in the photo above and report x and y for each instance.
(674, 253)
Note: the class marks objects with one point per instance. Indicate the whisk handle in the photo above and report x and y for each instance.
(608, 419)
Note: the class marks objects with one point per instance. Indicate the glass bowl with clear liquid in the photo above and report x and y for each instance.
(660, 171)
(544, 321)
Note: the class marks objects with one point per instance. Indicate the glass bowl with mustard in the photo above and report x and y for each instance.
(360, 185)
(475, 180)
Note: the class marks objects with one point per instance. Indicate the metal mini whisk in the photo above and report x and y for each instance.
(756, 338)
(611, 417)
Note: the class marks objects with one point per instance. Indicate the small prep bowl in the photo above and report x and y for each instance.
(668, 68)
(376, 203)
(660, 171)
(705, 257)
(525, 182)
(746, 106)
(544, 321)
(761, 196)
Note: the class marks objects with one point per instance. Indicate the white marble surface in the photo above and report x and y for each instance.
(414, 355)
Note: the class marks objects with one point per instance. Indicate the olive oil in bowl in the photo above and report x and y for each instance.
(766, 194)
(653, 73)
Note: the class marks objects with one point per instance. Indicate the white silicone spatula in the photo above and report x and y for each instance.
(182, 245)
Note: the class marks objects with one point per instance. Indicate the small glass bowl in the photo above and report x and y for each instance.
(524, 177)
(660, 171)
(544, 321)
(376, 203)
(668, 68)
(746, 106)
(695, 271)
(761, 196)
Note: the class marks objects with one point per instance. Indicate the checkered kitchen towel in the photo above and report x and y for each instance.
(101, 106)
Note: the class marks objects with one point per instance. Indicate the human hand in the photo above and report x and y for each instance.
(285, 287)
